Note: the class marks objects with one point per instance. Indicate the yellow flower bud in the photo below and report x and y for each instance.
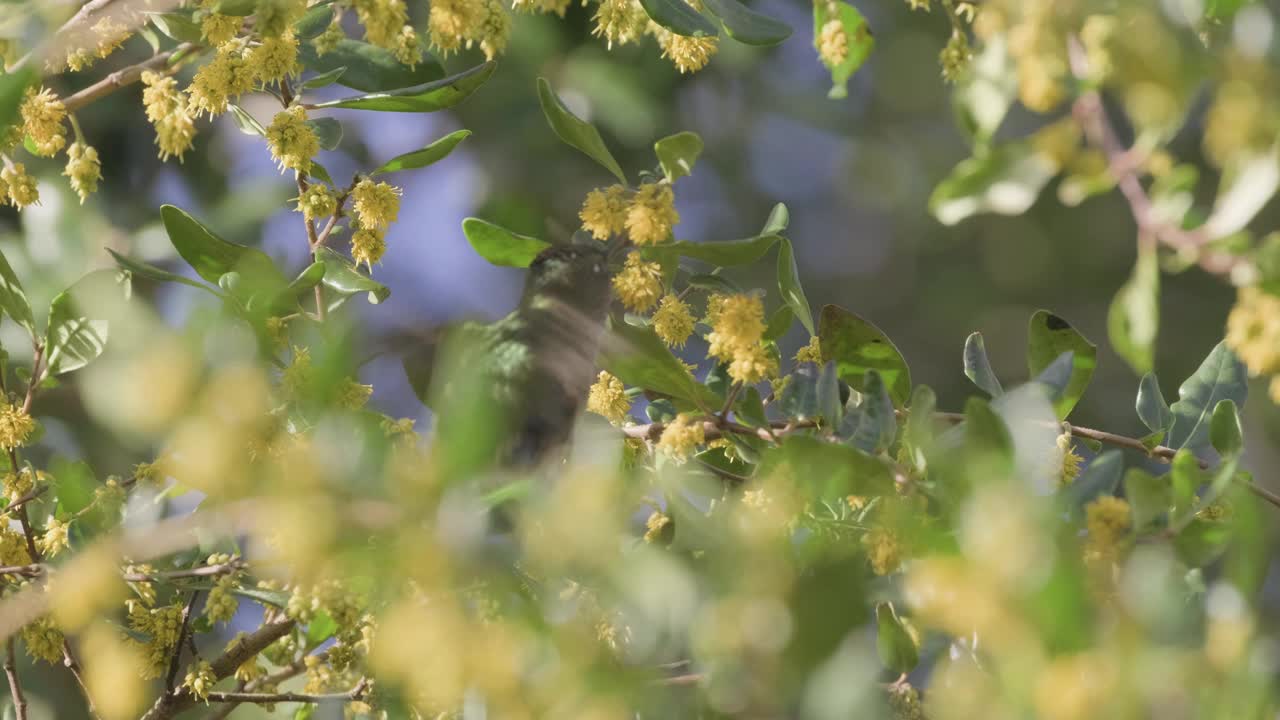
(639, 284)
(607, 397)
(652, 214)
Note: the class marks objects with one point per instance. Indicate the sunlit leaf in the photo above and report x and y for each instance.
(977, 367)
(679, 17)
(860, 42)
(1048, 336)
(501, 246)
(428, 97)
(746, 25)
(1220, 377)
(433, 153)
(575, 132)
(678, 153)
(1134, 318)
(858, 347)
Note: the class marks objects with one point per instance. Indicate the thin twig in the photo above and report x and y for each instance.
(121, 78)
(351, 695)
(15, 685)
(175, 661)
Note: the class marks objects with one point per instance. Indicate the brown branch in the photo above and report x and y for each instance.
(1092, 116)
(168, 706)
(15, 685)
(176, 661)
(121, 78)
(73, 666)
(205, 571)
(351, 695)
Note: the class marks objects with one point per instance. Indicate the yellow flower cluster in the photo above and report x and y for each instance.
(85, 45)
(673, 322)
(1253, 333)
(548, 7)
(620, 21)
(737, 331)
(884, 551)
(811, 353)
(274, 59)
(13, 547)
(604, 212)
(226, 76)
(1107, 518)
(639, 283)
(688, 54)
(382, 21)
(16, 426)
(83, 169)
(368, 247)
(291, 140)
(221, 604)
(18, 484)
(200, 680)
(43, 115)
(43, 641)
(21, 191)
(955, 56)
(651, 214)
(56, 537)
(219, 29)
(608, 398)
(168, 110)
(658, 527)
(832, 43)
(1041, 56)
(681, 437)
(1067, 461)
(454, 24)
(317, 201)
(376, 206)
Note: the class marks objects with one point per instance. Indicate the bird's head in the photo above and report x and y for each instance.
(577, 274)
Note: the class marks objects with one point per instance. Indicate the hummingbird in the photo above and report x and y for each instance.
(507, 394)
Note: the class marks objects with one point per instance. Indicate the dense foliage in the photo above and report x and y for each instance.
(731, 529)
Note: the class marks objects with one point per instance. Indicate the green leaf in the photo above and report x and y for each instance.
(896, 646)
(328, 131)
(1248, 184)
(860, 43)
(1134, 318)
(369, 68)
(247, 123)
(678, 153)
(314, 21)
(1048, 337)
(1225, 432)
(799, 399)
(13, 299)
(236, 8)
(321, 628)
(919, 430)
(13, 87)
(433, 153)
(679, 17)
(151, 271)
(1202, 541)
(429, 97)
(858, 347)
(324, 79)
(1149, 496)
(1185, 477)
(499, 245)
(779, 323)
(726, 253)
(575, 132)
(872, 425)
(988, 443)
(77, 332)
(277, 598)
(319, 172)
(1006, 180)
(789, 285)
(746, 25)
(642, 360)
(346, 279)
(1152, 408)
(779, 218)
(177, 26)
(311, 276)
(1220, 377)
(1057, 376)
(829, 405)
(977, 367)
(831, 472)
(212, 257)
(715, 283)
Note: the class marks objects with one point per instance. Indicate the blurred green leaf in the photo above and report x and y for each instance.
(678, 153)
(499, 245)
(799, 399)
(642, 360)
(1225, 432)
(860, 42)
(1134, 318)
(1100, 477)
(1006, 181)
(779, 323)
(832, 472)
(369, 68)
(324, 79)
(574, 132)
(1152, 408)
(983, 95)
(13, 299)
(679, 17)
(727, 253)
(1048, 336)
(1149, 496)
(715, 283)
(328, 131)
(247, 123)
(321, 628)
(789, 285)
(898, 648)
(779, 218)
(746, 25)
(177, 26)
(345, 278)
(429, 97)
(212, 257)
(919, 430)
(1202, 541)
(987, 441)
(73, 486)
(1220, 377)
(977, 367)
(433, 153)
(1248, 184)
(150, 271)
(77, 332)
(1185, 478)
(829, 405)
(858, 347)
(872, 425)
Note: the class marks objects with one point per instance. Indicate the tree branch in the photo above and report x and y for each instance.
(353, 694)
(121, 78)
(15, 685)
(176, 661)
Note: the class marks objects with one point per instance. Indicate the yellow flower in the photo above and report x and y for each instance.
(221, 604)
(317, 201)
(368, 246)
(752, 364)
(408, 50)
(737, 324)
(218, 28)
(832, 43)
(656, 527)
(673, 322)
(226, 76)
(84, 169)
(639, 284)
(652, 214)
(56, 537)
(494, 30)
(955, 56)
(275, 58)
(681, 437)
(608, 398)
(811, 353)
(688, 54)
(98, 41)
(18, 484)
(15, 426)
(167, 109)
(451, 23)
(200, 680)
(382, 20)
(22, 187)
(604, 212)
(549, 7)
(42, 117)
(1069, 467)
(353, 395)
(273, 17)
(327, 41)
(1253, 330)
(620, 21)
(292, 141)
(1107, 518)
(904, 702)
(43, 641)
(376, 204)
